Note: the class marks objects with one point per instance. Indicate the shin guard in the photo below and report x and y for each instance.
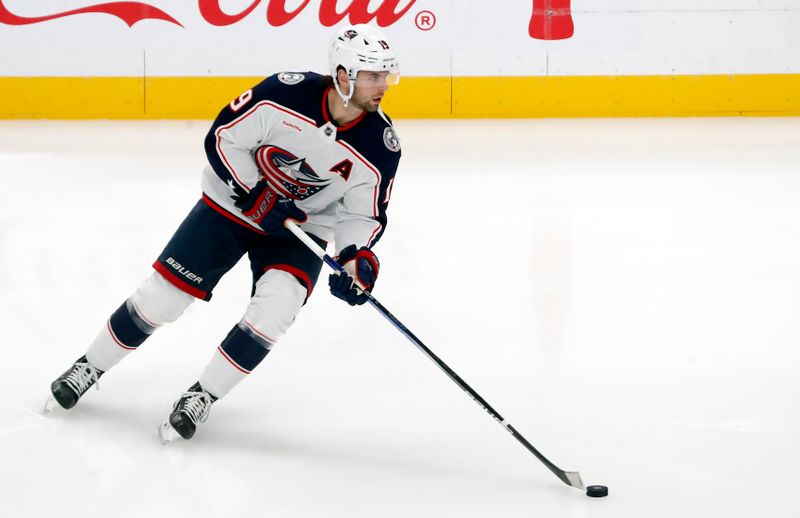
(235, 358)
(122, 334)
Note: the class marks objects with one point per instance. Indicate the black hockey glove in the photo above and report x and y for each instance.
(269, 210)
(360, 265)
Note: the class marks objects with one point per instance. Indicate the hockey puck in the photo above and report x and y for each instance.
(597, 491)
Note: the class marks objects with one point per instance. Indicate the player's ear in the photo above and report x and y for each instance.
(342, 79)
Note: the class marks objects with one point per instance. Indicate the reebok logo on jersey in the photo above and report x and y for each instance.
(184, 271)
(291, 125)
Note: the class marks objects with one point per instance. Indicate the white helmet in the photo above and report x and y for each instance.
(361, 47)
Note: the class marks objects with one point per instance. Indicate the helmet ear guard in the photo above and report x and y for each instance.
(359, 48)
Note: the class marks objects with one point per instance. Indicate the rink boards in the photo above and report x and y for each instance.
(534, 58)
(418, 97)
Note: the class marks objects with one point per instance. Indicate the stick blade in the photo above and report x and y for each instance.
(573, 478)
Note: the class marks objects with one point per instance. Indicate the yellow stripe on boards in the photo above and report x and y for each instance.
(626, 96)
(192, 97)
(417, 97)
(71, 97)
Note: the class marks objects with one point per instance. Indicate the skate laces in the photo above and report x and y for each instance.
(82, 376)
(196, 405)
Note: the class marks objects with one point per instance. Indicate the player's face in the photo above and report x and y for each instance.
(369, 91)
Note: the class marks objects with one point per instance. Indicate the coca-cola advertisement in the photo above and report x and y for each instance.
(278, 12)
(550, 19)
(442, 38)
(252, 37)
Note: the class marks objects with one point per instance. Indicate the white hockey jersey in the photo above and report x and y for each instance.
(341, 177)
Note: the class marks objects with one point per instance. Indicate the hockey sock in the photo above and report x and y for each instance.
(240, 353)
(122, 334)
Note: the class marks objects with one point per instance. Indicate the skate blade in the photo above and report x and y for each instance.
(166, 433)
(51, 405)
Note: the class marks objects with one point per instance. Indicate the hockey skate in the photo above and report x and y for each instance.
(70, 386)
(190, 409)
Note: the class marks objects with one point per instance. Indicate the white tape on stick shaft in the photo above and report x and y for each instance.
(302, 236)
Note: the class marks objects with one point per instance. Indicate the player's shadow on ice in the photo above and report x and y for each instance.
(269, 442)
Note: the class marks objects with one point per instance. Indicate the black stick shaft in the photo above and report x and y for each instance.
(465, 387)
(569, 478)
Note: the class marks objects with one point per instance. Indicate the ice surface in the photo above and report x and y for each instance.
(624, 292)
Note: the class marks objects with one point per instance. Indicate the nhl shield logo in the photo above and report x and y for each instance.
(290, 78)
(391, 139)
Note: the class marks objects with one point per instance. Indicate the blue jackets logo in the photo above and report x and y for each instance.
(289, 175)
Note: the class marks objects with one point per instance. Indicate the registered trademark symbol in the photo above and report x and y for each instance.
(425, 20)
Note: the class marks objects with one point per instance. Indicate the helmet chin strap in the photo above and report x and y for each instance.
(345, 98)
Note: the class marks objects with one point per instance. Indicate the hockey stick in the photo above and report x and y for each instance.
(571, 478)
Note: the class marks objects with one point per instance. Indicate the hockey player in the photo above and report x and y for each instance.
(313, 149)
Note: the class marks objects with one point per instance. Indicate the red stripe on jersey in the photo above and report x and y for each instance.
(290, 112)
(374, 233)
(244, 116)
(327, 116)
(211, 203)
(325, 104)
(388, 191)
(260, 162)
(178, 282)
